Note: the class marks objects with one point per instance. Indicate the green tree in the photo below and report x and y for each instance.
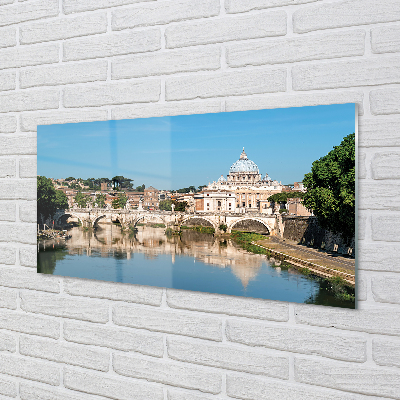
(61, 200)
(180, 205)
(120, 182)
(82, 200)
(70, 178)
(46, 198)
(140, 188)
(283, 196)
(331, 189)
(115, 204)
(165, 205)
(100, 200)
(122, 200)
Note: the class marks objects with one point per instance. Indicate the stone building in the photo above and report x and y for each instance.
(215, 201)
(150, 198)
(295, 207)
(250, 188)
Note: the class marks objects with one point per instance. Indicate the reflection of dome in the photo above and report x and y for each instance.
(221, 179)
(244, 165)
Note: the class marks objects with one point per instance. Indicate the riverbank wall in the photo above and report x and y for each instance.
(306, 230)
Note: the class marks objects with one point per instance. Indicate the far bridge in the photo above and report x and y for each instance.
(255, 222)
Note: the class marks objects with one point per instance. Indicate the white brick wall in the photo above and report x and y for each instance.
(71, 61)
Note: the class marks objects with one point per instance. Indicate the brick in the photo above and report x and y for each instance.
(28, 211)
(225, 29)
(346, 74)
(344, 13)
(111, 387)
(18, 232)
(167, 63)
(315, 47)
(7, 79)
(379, 257)
(228, 357)
(8, 388)
(385, 101)
(8, 299)
(8, 124)
(378, 320)
(21, 144)
(128, 42)
(387, 193)
(21, 12)
(23, 56)
(385, 289)
(28, 168)
(385, 39)
(362, 170)
(114, 93)
(298, 340)
(226, 84)
(30, 324)
(378, 132)
(168, 321)
(66, 353)
(183, 395)
(386, 165)
(8, 37)
(386, 352)
(252, 388)
(7, 254)
(72, 6)
(30, 121)
(28, 256)
(13, 189)
(7, 342)
(166, 109)
(7, 213)
(31, 392)
(64, 74)
(237, 6)
(114, 291)
(23, 278)
(148, 343)
(163, 13)
(63, 28)
(29, 369)
(342, 376)
(361, 291)
(87, 310)
(170, 373)
(386, 227)
(242, 307)
(29, 100)
(7, 167)
(295, 100)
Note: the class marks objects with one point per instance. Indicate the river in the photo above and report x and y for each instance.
(193, 261)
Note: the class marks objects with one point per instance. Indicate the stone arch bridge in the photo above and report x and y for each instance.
(270, 224)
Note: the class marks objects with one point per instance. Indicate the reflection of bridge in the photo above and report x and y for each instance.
(90, 217)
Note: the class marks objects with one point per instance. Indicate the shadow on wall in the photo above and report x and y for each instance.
(306, 230)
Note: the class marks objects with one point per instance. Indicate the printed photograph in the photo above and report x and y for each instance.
(258, 204)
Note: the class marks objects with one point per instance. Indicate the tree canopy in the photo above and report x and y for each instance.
(120, 182)
(331, 189)
(49, 199)
(166, 205)
(82, 200)
(282, 197)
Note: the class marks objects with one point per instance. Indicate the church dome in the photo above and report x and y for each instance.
(221, 179)
(244, 164)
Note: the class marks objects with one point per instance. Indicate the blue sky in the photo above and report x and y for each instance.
(175, 152)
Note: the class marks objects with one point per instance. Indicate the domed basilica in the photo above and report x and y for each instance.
(244, 179)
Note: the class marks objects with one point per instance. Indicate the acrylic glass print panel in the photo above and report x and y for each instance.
(257, 204)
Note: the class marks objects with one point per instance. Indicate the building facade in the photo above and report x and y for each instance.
(250, 188)
(215, 201)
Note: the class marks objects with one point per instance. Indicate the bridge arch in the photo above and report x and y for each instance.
(210, 221)
(69, 214)
(153, 216)
(97, 219)
(233, 223)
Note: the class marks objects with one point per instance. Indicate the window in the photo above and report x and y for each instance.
(229, 194)
(207, 194)
(208, 204)
(244, 204)
(219, 203)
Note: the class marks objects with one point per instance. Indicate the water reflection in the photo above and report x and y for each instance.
(192, 261)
